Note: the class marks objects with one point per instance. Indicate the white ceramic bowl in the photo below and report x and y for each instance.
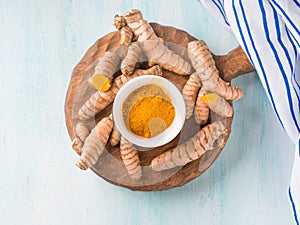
(176, 99)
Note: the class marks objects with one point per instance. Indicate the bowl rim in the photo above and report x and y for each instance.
(176, 99)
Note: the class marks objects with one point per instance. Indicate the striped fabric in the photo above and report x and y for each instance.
(269, 33)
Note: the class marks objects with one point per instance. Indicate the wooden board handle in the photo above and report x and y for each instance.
(233, 64)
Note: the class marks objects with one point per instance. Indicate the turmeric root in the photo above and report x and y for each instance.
(218, 104)
(189, 93)
(129, 62)
(154, 70)
(190, 150)
(126, 36)
(81, 131)
(203, 62)
(125, 31)
(104, 70)
(94, 144)
(119, 22)
(158, 53)
(130, 159)
(154, 48)
(115, 136)
(100, 100)
(201, 109)
(77, 145)
(140, 27)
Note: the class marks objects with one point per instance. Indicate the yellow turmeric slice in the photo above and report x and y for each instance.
(201, 109)
(100, 100)
(218, 104)
(94, 144)
(101, 82)
(104, 70)
(191, 149)
(130, 159)
(203, 62)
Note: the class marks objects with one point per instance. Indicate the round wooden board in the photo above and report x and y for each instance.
(110, 166)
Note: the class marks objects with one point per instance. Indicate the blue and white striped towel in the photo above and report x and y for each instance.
(269, 33)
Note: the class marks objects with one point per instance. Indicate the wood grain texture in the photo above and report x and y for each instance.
(109, 166)
(40, 42)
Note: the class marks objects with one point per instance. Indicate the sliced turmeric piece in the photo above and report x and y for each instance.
(218, 104)
(201, 109)
(104, 71)
(101, 82)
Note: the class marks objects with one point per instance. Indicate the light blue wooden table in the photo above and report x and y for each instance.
(40, 43)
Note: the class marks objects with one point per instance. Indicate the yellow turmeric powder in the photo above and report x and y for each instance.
(148, 109)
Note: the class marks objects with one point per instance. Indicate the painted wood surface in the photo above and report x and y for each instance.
(40, 43)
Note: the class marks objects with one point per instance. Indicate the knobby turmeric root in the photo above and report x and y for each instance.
(115, 136)
(129, 62)
(218, 104)
(125, 31)
(99, 100)
(203, 62)
(189, 93)
(126, 36)
(77, 145)
(81, 131)
(158, 53)
(119, 22)
(94, 144)
(104, 70)
(154, 48)
(201, 109)
(130, 159)
(140, 27)
(190, 150)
